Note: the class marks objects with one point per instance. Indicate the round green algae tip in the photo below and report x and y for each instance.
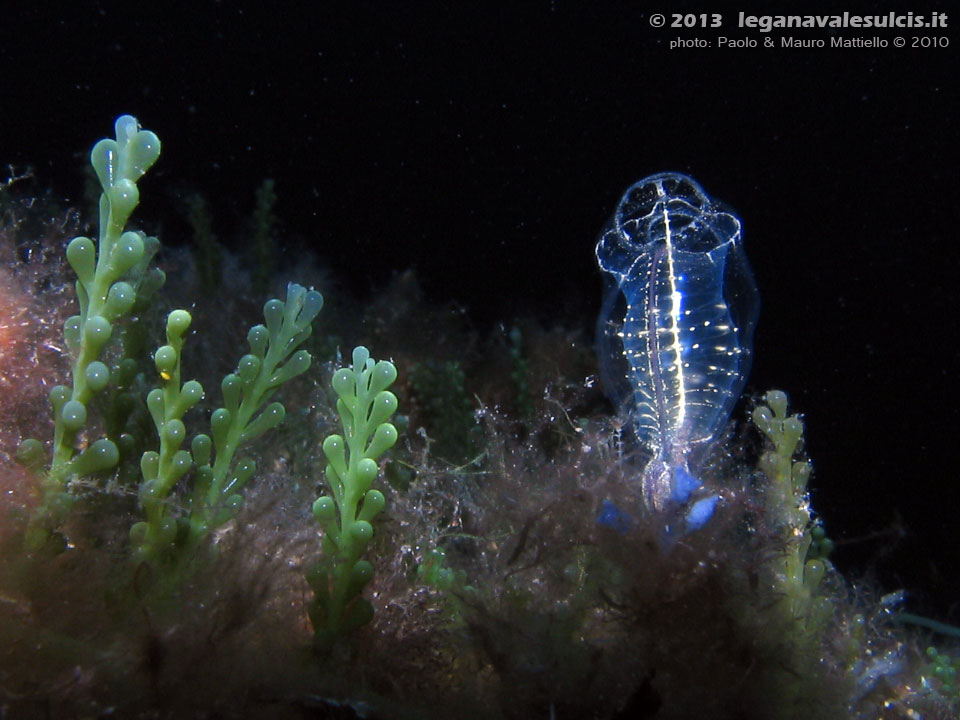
(174, 431)
(121, 298)
(312, 305)
(97, 375)
(384, 438)
(123, 197)
(192, 392)
(324, 509)
(138, 533)
(71, 332)
(360, 356)
(59, 394)
(82, 256)
(180, 463)
(244, 471)
(273, 312)
(248, 367)
(166, 360)
(383, 375)
(102, 455)
(375, 500)
(343, 382)
(273, 414)
(201, 447)
(373, 503)
(298, 364)
(31, 453)
(142, 150)
(793, 428)
(177, 323)
(258, 337)
(333, 446)
(777, 400)
(97, 330)
(128, 251)
(366, 472)
(384, 405)
(763, 419)
(361, 531)
(220, 420)
(149, 465)
(73, 415)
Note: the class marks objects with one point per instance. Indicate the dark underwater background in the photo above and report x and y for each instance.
(484, 146)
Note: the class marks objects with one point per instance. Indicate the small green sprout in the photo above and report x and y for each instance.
(218, 479)
(109, 271)
(365, 405)
(796, 573)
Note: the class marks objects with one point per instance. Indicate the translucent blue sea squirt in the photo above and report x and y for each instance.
(675, 334)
